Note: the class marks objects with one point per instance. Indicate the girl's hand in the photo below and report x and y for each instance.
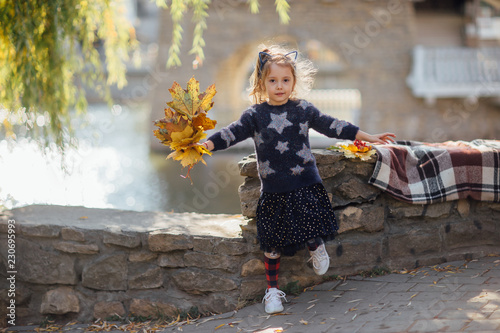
(209, 145)
(383, 138)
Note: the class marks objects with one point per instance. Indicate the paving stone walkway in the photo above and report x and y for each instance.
(453, 297)
(462, 296)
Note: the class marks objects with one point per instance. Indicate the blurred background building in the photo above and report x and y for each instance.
(427, 70)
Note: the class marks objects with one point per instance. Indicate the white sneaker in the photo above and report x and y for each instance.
(273, 300)
(320, 260)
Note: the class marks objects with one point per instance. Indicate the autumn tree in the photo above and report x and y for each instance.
(51, 51)
(48, 53)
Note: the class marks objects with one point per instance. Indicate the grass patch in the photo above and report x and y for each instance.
(47, 321)
(377, 271)
(190, 314)
(114, 318)
(334, 277)
(292, 288)
(138, 319)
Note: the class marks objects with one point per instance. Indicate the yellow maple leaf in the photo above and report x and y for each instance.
(190, 102)
(178, 137)
(189, 156)
(206, 98)
(186, 139)
(204, 122)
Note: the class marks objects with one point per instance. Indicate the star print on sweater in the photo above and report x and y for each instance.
(338, 125)
(265, 169)
(304, 129)
(282, 146)
(257, 138)
(304, 104)
(227, 136)
(279, 122)
(306, 154)
(297, 170)
(285, 160)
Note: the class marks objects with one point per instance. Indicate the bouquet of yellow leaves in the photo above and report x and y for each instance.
(357, 149)
(185, 123)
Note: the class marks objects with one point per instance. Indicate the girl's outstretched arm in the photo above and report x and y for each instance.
(382, 138)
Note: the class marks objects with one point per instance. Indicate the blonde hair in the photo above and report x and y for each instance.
(303, 72)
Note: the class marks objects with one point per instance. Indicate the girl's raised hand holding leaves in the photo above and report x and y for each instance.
(185, 123)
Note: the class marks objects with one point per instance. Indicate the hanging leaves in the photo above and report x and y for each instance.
(49, 53)
(199, 8)
(185, 123)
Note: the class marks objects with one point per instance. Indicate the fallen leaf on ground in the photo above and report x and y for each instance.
(355, 300)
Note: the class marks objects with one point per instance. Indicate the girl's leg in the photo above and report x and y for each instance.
(272, 264)
(319, 256)
(273, 294)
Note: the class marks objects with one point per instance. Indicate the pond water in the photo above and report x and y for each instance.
(114, 168)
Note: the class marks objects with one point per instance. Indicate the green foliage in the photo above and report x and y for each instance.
(179, 8)
(44, 47)
(139, 319)
(333, 277)
(282, 8)
(377, 271)
(47, 321)
(254, 6)
(114, 317)
(190, 314)
(50, 51)
(292, 288)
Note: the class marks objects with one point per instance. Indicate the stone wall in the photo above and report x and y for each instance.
(84, 264)
(378, 230)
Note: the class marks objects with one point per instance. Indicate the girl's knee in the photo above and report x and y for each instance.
(272, 255)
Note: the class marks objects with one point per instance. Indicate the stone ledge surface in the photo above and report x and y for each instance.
(37, 217)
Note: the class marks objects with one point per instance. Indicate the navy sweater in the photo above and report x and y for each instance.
(281, 138)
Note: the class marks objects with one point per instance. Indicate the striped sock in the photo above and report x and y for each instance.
(272, 268)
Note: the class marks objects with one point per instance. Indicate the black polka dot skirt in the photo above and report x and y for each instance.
(286, 221)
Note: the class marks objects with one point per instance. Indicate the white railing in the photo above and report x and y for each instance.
(444, 72)
(339, 103)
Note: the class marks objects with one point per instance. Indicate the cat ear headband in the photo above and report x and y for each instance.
(264, 57)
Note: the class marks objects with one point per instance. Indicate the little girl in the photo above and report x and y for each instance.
(294, 211)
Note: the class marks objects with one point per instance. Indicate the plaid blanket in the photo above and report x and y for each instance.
(424, 173)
